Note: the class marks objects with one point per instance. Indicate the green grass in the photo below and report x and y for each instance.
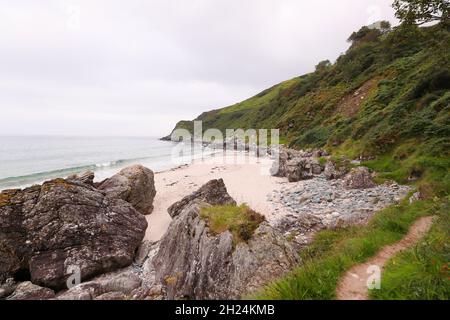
(335, 251)
(421, 272)
(262, 98)
(241, 221)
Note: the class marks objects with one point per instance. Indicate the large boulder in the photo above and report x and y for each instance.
(48, 231)
(135, 184)
(214, 192)
(194, 263)
(359, 178)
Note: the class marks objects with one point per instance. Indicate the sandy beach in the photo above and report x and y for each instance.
(246, 178)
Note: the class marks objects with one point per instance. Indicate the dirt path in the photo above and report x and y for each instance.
(353, 285)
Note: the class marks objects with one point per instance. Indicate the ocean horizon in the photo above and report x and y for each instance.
(28, 160)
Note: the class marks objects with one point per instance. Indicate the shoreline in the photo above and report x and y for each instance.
(246, 181)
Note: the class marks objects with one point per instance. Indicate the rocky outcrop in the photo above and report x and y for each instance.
(47, 230)
(194, 263)
(359, 178)
(296, 165)
(214, 193)
(29, 291)
(135, 185)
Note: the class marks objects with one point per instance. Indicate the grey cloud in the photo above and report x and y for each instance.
(117, 64)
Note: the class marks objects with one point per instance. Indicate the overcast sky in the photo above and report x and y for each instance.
(136, 67)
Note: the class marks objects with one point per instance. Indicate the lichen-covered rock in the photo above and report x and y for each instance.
(214, 192)
(48, 230)
(359, 178)
(15, 252)
(194, 263)
(28, 291)
(135, 185)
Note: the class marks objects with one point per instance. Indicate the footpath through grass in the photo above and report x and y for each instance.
(422, 273)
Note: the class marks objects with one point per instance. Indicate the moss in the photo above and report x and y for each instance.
(56, 183)
(5, 197)
(170, 280)
(241, 221)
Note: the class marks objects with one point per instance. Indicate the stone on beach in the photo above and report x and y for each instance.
(135, 184)
(359, 178)
(214, 192)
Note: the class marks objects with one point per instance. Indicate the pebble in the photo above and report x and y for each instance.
(318, 195)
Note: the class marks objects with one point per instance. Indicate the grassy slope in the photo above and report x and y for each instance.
(389, 100)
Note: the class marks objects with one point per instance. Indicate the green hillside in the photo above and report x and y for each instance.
(386, 98)
(385, 101)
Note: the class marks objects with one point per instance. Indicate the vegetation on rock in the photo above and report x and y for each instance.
(241, 221)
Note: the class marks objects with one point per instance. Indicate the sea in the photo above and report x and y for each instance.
(28, 160)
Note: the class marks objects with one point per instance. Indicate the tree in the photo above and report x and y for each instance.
(385, 26)
(365, 34)
(422, 11)
(323, 65)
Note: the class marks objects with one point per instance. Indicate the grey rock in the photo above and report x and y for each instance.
(214, 192)
(195, 264)
(135, 185)
(296, 165)
(123, 281)
(111, 296)
(331, 170)
(359, 178)
(7, 288)
(44, 230)
(86, 177)
(28, 291)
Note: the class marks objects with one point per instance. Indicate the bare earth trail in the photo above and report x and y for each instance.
(353, 285)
